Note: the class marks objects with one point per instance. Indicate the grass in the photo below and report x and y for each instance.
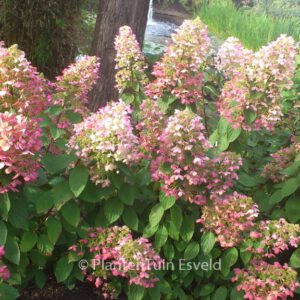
(253, 28)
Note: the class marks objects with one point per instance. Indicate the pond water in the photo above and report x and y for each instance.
(158, 32)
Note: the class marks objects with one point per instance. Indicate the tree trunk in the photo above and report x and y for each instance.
(112, 14)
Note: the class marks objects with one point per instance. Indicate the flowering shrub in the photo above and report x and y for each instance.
(22, 89)
(273, 237)
(252, 96)
(282, 159)
(130, 62)
(104, 139)
(179, 72)
(183, 172)
(20, 140)
(75, 83)
(231, 218)
(127, 257)
(183, 164)
(266, 281)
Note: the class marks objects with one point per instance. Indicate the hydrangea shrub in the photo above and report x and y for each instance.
(196, 164)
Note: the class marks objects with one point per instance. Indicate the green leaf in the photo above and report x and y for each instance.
(63, 269)
(156, 214)
(169, 251)
(187, 228)
(12, 251)
(18, 214)
(229, 258)
(40, 279)
(93, 193)
(61, 194)
(207, 242)
(44, 203)
(7, 292)
(54, 110)
(136, 292)
(220, 293)
(78, 179)
(4, 206)
(54, 229)
(207, 289)
(191, 251)
(295, 259)
(127, 194)
(292, 208)
(289, 187)
(245, 256)
(71, 213)
(149, 231)
(55, 163)
(250, 116)
(44, 245)
(28, 241)
(113, 209)
(73, 116)
(161, 237)
(3, 233)
(166, 201)
(130, 218)
(176, 216)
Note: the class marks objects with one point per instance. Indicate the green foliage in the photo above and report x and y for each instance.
(254, 28)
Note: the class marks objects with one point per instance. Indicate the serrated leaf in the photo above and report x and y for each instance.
(3, 233)
(292, 208)
(54, 229)
(55, 163)
(169, 251)
(71, 213)
(166, 201)
(78, 179)
(12, 251)
(191, 251)
(208, 240)
(127, 194)
(156, 215)
(63, 269)
(187, 228)
(295, 259)
(161, 237)
(136, 292)
(113, 209)
(28, 241)
(130, 218)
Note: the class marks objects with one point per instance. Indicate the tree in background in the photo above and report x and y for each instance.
(112, 14)
(45, 30)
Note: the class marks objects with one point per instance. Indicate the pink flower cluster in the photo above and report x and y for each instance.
(230, 218)
(232, 58)
(255, 88)
(264, 281)
(282, 159)
(130, 258)
(73, 86)
(130, 62)
(19, 141)
(22, 89)
(104, 139)
(179, 72)
(274, 237)
(4, 272)
(183, 164)
(152, 121)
